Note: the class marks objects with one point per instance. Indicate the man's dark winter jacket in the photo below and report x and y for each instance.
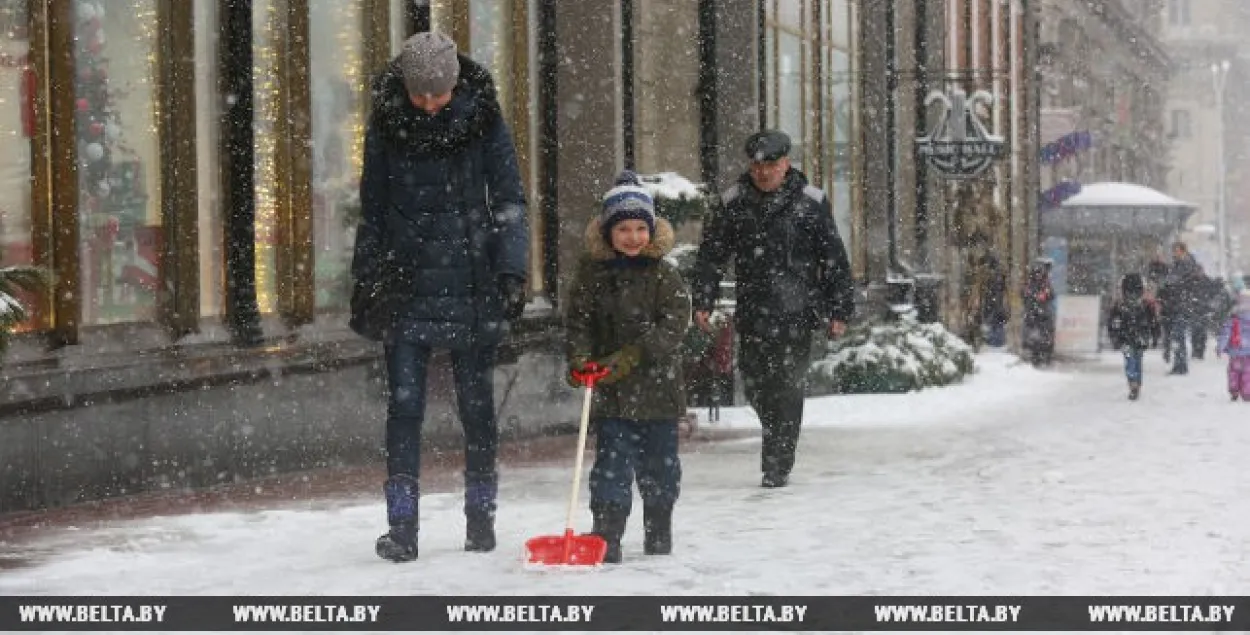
(790, 264)
(1182, 292)
(443, 212)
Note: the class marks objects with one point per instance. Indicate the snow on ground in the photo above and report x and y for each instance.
(1000, 382)
(1018, 482)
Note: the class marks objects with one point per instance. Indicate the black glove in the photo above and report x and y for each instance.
(512, 289)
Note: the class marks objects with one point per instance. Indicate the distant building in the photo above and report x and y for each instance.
(1105, 74)
(1201, 36)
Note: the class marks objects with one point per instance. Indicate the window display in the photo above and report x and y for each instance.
(120, 229)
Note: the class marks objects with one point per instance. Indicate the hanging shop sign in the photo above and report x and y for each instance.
(959, 146)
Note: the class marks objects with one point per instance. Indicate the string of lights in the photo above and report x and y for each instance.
(350, 17)
(267, 96)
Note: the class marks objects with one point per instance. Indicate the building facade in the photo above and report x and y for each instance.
(188, 170)
(922, 224)
(1105, 77)
(1207, 114)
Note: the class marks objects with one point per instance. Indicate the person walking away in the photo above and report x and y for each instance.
(444, 233)
(1181, 303)
(1130, 325)
(994, 312)
(628, 312)
(1234, 341)
(1220, 301)
(1039, 315)
(792, 278)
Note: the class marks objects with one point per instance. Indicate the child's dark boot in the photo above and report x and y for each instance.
(658, 527)
(610, 525)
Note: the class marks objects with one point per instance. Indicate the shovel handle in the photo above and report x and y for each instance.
(581, 451)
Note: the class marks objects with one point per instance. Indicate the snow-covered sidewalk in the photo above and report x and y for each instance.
(1018, 482)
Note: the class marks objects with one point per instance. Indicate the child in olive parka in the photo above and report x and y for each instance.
(628, 311)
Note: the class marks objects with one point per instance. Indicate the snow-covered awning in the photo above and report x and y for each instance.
(1117, 208)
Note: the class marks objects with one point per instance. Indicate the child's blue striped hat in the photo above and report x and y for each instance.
(628, 200)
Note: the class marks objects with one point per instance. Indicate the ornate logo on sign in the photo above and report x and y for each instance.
(958, 145)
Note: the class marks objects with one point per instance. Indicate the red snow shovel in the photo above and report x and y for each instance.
(570, 549)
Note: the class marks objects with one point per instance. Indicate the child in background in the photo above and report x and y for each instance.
(628, 311)
(1130, 325)
(1235, 342)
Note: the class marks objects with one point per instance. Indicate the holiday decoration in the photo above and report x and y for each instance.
(93, 111)
(95, 152)
(1066, 147)
(1056, 195)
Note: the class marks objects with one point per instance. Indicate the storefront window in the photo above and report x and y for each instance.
(490, 30)
(840, 35)
(840, 147)
(118, 160)
(16, 128)
(789, 13)
(399, 25)
(790, 78)
(339, 90)
(790, 92)
(208, 172)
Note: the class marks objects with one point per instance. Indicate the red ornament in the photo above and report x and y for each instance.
(97, 128)
(83, 104)
(84, 74)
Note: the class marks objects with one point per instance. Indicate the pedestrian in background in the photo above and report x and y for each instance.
(792, 278)
(1234, 341)
(1130, 325)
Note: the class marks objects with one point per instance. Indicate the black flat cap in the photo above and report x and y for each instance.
(768, 145)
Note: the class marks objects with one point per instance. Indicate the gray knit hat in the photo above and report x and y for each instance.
(429, 64)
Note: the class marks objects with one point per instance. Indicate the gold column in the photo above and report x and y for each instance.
(376, 27)
(41, 167)
(55, 204)
(180, 257)
(522, 126)
(452, 18)
(293, 138)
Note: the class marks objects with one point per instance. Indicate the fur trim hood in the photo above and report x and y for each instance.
(473, 110)
(661, 243)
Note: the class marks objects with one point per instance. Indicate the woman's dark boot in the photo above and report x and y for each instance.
(609, 525)
(400, 543)
(657, 522)
(479, 531)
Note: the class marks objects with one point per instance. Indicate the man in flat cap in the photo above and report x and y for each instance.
(792, 278)
(440, 263)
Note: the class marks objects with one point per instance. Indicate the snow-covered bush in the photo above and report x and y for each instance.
(12, 313)
(677, 199)
(898, 356)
